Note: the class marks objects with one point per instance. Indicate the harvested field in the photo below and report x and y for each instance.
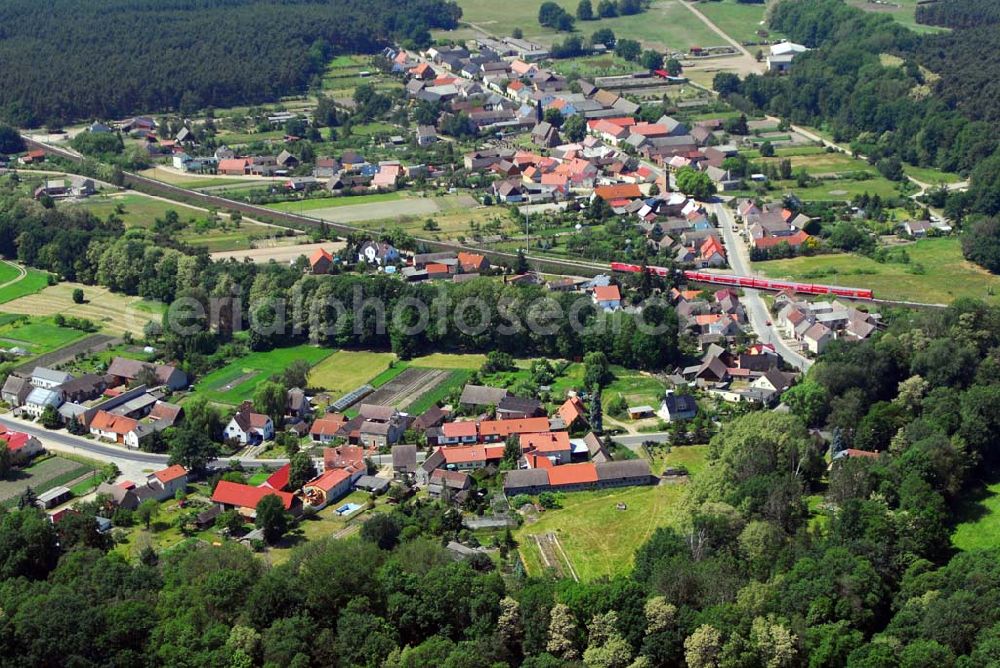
(281, 254)
(87, 345)
(114, 312)
(408, 386)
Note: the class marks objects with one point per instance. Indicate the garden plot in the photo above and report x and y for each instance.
(408, 386)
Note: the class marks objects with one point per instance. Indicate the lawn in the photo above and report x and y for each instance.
(237, 380)
(637, 388)
(667, 25)
(33, 281)
(346, 370)
(330, 202)
(980, 525)
(39, 335)
(738, 20)
(113, 312)
(947, 275)
(691, 457)
(598, 539)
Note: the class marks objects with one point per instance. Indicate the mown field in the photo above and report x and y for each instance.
(599, 540)
(113, 312)
(946, 274)
(13, 288)
(38, 335)
(903, 11)
(738, 20)
(346, 370)
(239, 379)
(667, 25)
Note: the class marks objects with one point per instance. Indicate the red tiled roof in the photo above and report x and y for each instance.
(463, 454)
(607, 293)
(796, 239)
(505, 428)
(171, 473)
(15, 439)
(320, 254)
(572, 474)
(618, 191)
(344, 457)
(279, 479)
(461, 429)
(327, 426)
(571, 410)
(245, 496)
(329, 480)
(118, 424)
(549, 441)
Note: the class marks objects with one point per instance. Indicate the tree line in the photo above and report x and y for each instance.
(105, 59)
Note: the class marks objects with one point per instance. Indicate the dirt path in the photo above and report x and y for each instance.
(21, 273)
(754, 65)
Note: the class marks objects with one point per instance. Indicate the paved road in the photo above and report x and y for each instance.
(136, 462)
(757, 311)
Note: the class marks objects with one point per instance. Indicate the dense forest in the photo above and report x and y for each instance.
(67, 60)
(748, 577)
(958, 13)
(937, 108)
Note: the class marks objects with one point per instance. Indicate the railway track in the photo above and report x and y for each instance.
(300, 221)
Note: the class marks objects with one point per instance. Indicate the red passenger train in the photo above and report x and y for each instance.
(751, 282)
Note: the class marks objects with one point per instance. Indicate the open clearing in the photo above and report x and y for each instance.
(947, 275)
(903, 11)
(237, 380)
(346, 370)
(666, 25)
(42, 476)
(387, 209)
(980, 514)
(598, 539)
(113, 312)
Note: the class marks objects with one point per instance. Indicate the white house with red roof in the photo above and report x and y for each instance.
(608, 297)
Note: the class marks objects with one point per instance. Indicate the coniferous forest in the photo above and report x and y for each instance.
(68, 60)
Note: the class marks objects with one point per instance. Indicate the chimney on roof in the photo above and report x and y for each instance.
(246, 408)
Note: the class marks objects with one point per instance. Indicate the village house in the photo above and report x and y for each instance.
(48, 379)
(249, 428)
(450, 484)
(126, 371)
(38, 400)
(119, 429)
(578, 477)
(324, 429)
(244, 499)
(404, 460)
